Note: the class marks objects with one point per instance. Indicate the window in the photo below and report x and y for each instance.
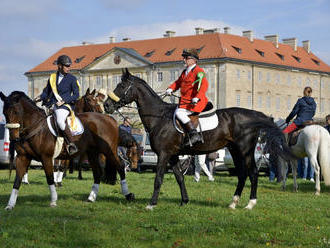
(99, 81)
(289, 103)
(259, 76)
(238, 100)
(249, 75)
(261, 53)
(268, 77)
(169, 52)
(259, 101)
(174, 75)
(149, 54)
(200, 49)
(288, 79)
(237, 49)
(249, 101)
(238, 73)
(299, 81)
(277, 78)
(116, 79)
(280, 56)
(316, 61)
(322, 105)
(159, 76)
(278, 103)
(296, 58)
(78, 60)
(268, 102)
(315, 83)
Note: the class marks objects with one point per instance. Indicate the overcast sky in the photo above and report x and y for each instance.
(33, 30)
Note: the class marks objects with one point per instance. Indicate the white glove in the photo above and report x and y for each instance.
(169, 92)
(195, 100)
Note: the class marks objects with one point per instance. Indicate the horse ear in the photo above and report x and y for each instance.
(87, 92)
(2, 96)
(93, 92)
(127, 72)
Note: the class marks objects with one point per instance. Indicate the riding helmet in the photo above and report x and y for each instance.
(64, 60)
(190, 52)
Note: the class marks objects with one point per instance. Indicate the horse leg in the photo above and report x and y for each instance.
(241, 175)
(294, 165)
(253, 176)
(94, 162)
(161, 168)
(22, 163)
(180, 180)
(316, 166)
(284, 170)
(49, 171)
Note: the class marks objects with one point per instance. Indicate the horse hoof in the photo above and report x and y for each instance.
(130, 197)
(317, 193)
(53, 204)
(185, 202)
(9, 208)
(150, 207)
(91, 199)
(232, 206)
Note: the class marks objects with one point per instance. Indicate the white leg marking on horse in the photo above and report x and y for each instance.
(124, 187)
(150, 207)
(12, 200)
(55, 176)
(234, 202)
(251, 204)
(60, 176)
(95, 190)
(25, 179)
(53, 195)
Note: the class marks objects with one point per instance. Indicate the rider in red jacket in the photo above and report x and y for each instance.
(193, 86)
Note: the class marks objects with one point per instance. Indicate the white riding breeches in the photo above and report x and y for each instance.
(61, 115)
(182, 115)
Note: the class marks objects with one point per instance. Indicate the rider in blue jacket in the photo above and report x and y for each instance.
(304, 109)
(61, 93)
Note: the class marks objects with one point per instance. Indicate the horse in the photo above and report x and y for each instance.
(313, 142)
(236, 130)
(28, 127)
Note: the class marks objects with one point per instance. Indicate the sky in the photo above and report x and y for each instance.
(33, 30)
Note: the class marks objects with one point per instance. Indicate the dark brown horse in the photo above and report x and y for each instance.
(29, 129)
(237, 129)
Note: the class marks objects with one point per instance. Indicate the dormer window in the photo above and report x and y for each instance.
(261, 53)
(280, 56)
(316, 61)
(55, 62)
(169, 52)
(78, 60)
(296, 58)
(239, 50)
(149, 54)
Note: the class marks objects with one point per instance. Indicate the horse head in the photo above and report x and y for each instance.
(91, 103)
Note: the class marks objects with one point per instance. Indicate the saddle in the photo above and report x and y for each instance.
(293, 137)
(194, 117)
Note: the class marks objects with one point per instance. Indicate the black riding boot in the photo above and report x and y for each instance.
(193, 134)
(71, 147)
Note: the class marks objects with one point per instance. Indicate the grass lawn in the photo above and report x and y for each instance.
(280, 219)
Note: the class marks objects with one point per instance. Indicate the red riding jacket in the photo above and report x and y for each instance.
(193, 85)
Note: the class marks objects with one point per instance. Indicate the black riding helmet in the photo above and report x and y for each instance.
(190, 52)
(64, 60)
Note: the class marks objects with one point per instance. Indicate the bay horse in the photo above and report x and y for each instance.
(313, 142)
(28, 127)
(236, 130)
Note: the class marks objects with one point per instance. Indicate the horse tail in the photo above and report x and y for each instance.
(110, 172)
(11, 156)
(323, 155)
(274, 138)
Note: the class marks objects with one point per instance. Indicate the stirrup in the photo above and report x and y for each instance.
(71, 149)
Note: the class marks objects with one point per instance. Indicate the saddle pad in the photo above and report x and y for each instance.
(58, 146)
(79, 127)
(205, 123)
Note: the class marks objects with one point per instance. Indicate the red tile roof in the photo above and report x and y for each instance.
(213, 46)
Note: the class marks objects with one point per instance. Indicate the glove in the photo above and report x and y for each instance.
(195, 100)
(37, 99)
(169, 92)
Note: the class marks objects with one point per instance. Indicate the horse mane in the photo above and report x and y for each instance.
(15, 96)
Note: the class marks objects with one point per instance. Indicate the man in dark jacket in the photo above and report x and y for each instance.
(304, 109)
(61, 93)
(327, 126)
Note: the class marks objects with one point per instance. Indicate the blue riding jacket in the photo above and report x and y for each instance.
(304, 109)
(68, 89)
(125, 128)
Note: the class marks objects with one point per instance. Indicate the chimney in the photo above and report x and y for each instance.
(307, 45)
(199, 31)
(84, 43)
(169, 33)
(226, 30)
(112, 39)
(248, 34)
(291, 42)
(126, 39)
(211, 31)
(273, 38)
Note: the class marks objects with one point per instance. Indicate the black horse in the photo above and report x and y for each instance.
(238, 130)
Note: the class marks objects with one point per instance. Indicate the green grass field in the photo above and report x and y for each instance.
(280, 219)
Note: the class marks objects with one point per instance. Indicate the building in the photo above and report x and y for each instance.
(263, 75)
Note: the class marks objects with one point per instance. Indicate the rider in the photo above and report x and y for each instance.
(62, 91)
(193, 86)
(304, 109)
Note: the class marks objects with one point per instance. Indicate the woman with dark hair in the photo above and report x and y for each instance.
(304, 109)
